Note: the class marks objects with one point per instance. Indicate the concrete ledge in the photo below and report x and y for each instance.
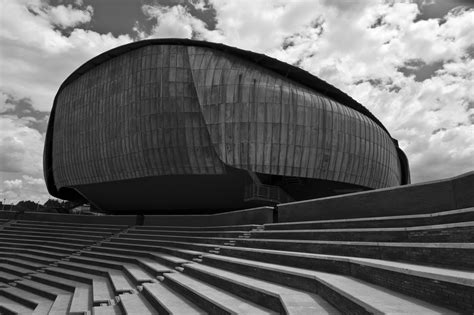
(431, 197)
(78, 219)
(259, 215)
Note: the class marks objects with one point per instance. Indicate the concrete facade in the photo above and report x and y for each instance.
(161, 119)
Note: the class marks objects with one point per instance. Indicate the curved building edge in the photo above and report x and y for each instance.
(298, 75)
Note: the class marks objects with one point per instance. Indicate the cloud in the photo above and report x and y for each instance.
(36, 56)
(24, 110)
(21, 147)
(176, 21)
(25, 188)
(67, 16)
(61, 16)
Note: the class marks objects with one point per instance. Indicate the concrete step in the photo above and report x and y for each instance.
(8, 277)
(132, 266)
(71, 225)
(62, 298)
(81, 293)
(18, 262)
(194, 244)
(159, 237)
(346, 293)
(8, 306)
(81, 300)
(120, 282)
(135, 304)
(448, 288)
(79, 239)
(452, 232)
(167, 301)
(169, 260)
(14, 270)
(246, 227)
(279, 298)
(106, 310)
(102, 291)
(211, 298)
(451, 255)
(55, 281)
(39, 304)
(138, 274)
(153, 267)
(38, 249)
(48, 230)
(24, 255)
(116, 245)
(455, 232)
(147, 233)
(149, 262)
(459, 215)
(105, 263)
(63, 245)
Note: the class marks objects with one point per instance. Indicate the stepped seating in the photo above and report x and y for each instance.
(416, 264)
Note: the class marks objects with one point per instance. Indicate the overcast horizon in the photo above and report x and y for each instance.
(409, 62)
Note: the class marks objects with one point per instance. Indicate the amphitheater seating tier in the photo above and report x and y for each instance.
(419, 264)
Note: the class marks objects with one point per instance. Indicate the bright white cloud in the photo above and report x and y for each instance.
(67, 16)
(176, 21)
(25, 188)
(21, 147)
(35, 57)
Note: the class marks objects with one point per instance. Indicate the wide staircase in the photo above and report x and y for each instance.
(411, 264)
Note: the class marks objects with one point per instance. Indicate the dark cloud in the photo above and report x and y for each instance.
(420, 70)
(438, 130)
(126, 17)
(116, 16)
(437, 9)
(23, 109)
(379, 21)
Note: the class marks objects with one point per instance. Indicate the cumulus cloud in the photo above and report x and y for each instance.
(25, 188)
(21, 147)
(35, 56)
(176, 21)
(21, 152)
(67, 16)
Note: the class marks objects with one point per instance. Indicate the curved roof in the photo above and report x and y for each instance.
(294, 73)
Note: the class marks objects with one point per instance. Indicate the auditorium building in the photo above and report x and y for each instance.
(185, 126)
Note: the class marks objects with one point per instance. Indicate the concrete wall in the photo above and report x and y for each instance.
(436, 196)
(431, 197)
(259, 215)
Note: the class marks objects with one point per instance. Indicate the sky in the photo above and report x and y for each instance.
(409, 62)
